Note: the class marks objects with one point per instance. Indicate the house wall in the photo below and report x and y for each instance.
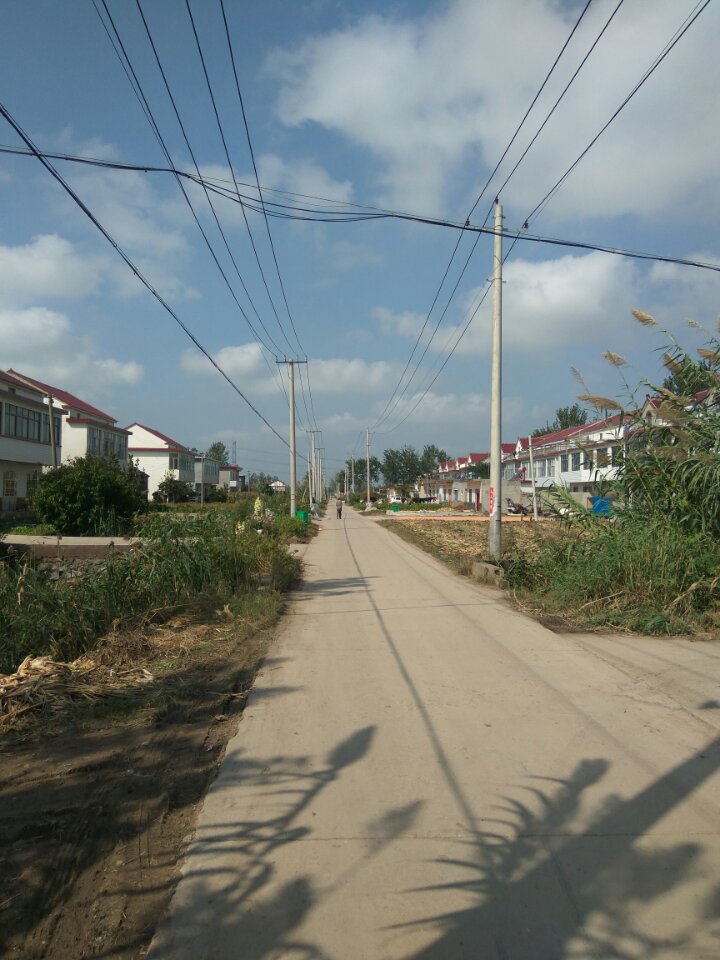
(156, 466)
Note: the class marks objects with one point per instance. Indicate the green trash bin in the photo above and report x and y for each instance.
(302, 515)
(395, 507)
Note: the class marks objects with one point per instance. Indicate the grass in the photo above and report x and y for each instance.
(182, 560)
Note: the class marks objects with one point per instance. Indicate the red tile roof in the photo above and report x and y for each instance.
(64, 397)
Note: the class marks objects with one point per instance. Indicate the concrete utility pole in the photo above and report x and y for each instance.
(532, 479)
(367, 460)
(53, 445)
(321, 472)
(352, 473)
(293, 454)
(495, 524)
(313, 471)
(202, 479)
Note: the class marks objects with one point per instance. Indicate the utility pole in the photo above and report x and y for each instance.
(293, 455)
(367, 460)
(314, 473)
(321, 472)
(53, 445)
(202, 479)
(532, 480)
(345, 491)
(495, 524)
(352, 473)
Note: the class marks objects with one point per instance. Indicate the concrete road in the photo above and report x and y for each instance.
(424, 774)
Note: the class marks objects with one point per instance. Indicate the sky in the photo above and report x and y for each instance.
(405, 106)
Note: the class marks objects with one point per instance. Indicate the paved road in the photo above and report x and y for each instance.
(423, 774)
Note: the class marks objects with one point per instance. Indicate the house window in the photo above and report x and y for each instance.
(616, 454)
(551, 467)
(9, 483)
(602, 457)
(587, 460)
(33, 479)
(563, 463)
(173, 461)
(540, 468)
(576, 460)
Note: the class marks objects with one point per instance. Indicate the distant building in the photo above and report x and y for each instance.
(231, 478)
(25, 448)
(207, 474)
(160, 456)
(277, 486)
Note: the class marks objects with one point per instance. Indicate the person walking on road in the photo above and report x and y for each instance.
(338, 508)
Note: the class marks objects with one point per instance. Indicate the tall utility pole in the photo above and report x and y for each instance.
(495, 524)
(53, 445)
(532, 479)
(321, 472)
(352, 473)
(202, 478)
(367, 460)
(313, 468)
(293, 455)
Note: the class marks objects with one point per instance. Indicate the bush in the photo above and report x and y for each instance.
(656, 566)
(89, 496)
(181, 560)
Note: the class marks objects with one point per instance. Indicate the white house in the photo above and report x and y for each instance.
(160, 456)
(88, 432)
(25, 447)
(277, 486)
(578, 458)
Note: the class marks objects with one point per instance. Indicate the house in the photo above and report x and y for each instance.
(230, 478)
(87, 431)
(160, 456)
(579, 458)
(277, 486)
(207, 474)
(26, 446)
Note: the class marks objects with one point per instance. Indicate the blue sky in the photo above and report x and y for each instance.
(404, 105)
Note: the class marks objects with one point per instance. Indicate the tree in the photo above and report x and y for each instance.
(260, 482)
(687, 376)
(218, 451)
(361, 471)
(89, 496)
(175, 491)
(431, 457)
(401, 467)
(572, 416)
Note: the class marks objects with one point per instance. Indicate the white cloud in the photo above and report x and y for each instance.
(41, 343)
(422, 96)
(301, 176)
(548, 304)
(352, 376)
(406, 323)
(243, 360)
(47, 267)
(326, 376)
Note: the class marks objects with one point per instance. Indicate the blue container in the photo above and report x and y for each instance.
(602, 506)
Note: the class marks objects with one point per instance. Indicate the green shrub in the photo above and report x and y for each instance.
(182, 559)
(89, 496)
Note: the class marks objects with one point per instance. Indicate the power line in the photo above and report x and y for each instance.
(145, 106)
(687, 23)
(229, 162)
(388, 410)
(409, 217)
(262, 204)
(135, 269)
(681, 31)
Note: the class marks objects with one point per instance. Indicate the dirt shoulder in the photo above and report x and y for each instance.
(98, 800)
